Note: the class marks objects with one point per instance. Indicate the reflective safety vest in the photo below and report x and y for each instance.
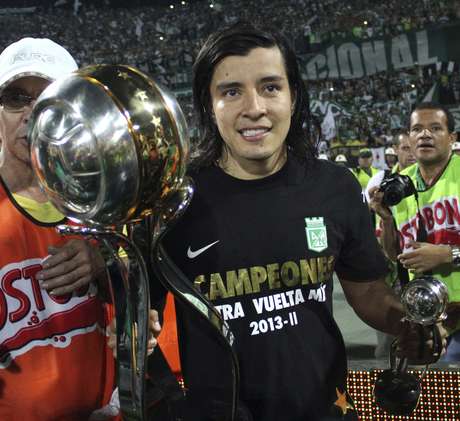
(440, 212)
(363, 177)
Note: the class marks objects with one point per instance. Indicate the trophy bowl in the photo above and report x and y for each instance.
(108, 145)
(425, 300)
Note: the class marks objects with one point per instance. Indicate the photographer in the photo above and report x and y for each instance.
(404, 159)
(427, 218)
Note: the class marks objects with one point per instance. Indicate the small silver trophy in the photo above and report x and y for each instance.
(424, 300)
(110, 148)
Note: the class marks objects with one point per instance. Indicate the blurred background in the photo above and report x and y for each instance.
(365, 62)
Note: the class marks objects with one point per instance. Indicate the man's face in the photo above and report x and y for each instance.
(13, 122)
(391, 160)
(365, 161)
(252, 105)
(404, 152)
(430, 139)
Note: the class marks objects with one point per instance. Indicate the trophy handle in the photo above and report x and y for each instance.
(174, 280)
(130, 293)
(396, 391)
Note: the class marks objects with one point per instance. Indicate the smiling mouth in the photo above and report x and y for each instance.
(254, 134)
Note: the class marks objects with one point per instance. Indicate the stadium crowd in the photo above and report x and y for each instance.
(164, 41)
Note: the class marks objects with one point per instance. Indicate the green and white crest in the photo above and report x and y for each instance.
(316, 234)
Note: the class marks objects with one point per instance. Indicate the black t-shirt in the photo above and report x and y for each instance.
(263, 251)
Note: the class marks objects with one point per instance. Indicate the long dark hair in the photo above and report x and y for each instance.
(239, 40)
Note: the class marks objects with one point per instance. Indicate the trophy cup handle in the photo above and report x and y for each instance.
(174, 280)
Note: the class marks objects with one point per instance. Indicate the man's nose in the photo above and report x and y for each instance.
(426, 131)
(28, 110)
(255, 105)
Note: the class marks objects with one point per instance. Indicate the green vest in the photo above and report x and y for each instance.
(363, 177)
(440, 210)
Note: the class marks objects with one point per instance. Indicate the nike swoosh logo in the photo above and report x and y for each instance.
(192, 254)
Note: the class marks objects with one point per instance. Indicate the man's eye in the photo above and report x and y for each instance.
(230, 92)
(272, 88)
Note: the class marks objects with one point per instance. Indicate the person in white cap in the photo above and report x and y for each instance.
(341, 160)
(54, 358)
(391, 158)
(456, 148)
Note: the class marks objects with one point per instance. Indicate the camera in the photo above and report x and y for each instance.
(395, 188)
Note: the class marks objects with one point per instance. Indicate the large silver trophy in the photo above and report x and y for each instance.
(425, 301)
(110, 148)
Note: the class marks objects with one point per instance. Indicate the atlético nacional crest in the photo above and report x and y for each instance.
(316, 233)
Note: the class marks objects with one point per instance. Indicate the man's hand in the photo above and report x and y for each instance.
(416, 343)
(154, 331)
(71, 267)
(425, 256)
(375, 203)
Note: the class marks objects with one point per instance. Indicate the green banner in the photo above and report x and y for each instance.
(357, 59)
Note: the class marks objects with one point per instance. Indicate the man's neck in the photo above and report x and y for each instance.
(430, 173)
(252, 169)
(367, 170)
(20, 179)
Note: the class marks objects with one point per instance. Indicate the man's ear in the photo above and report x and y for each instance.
(453, 137)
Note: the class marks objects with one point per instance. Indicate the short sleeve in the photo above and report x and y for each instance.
(361, 257)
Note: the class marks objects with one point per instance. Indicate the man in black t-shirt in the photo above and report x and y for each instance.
(266, 229)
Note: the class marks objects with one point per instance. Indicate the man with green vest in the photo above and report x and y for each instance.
(435, 214)
(364, 171)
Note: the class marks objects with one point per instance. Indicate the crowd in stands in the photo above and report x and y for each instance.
(372, 109)
(163, 41)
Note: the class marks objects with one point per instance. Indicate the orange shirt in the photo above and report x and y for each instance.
(54, 360)
(168, 337)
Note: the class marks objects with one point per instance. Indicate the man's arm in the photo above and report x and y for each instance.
(376, 304)
(389, 238)
(388, 235)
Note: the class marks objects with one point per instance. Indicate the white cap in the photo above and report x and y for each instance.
(340, 158)
(456, 146)
(34, 57)
(323, 156)
(390, 151)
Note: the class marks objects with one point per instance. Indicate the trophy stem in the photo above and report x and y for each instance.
(131, 297)
(132, 304)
